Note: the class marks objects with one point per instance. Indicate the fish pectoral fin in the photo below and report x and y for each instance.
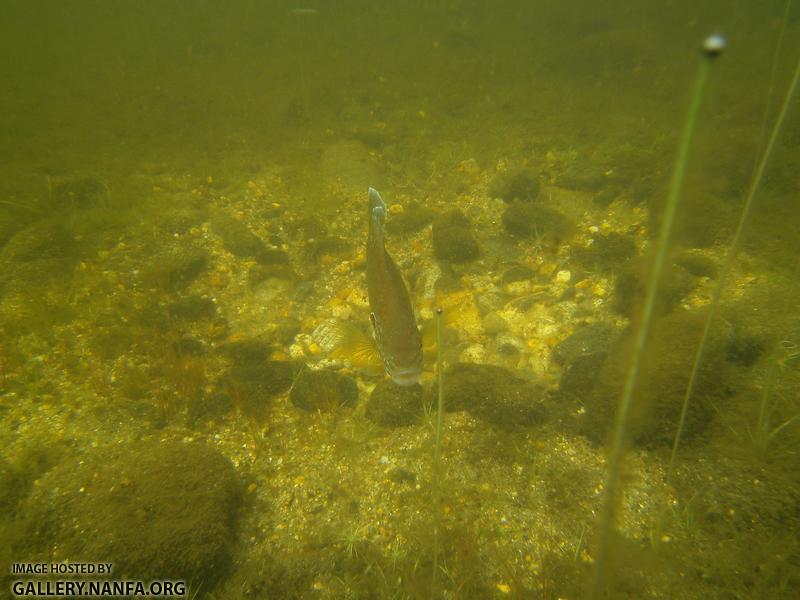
(341, 340)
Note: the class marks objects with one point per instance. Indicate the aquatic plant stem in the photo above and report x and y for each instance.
(437, 449)
(618, 441)
(728, 264)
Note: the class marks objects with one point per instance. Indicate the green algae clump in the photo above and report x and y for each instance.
(156, 510)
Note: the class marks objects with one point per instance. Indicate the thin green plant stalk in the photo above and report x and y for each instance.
(773, 75)
(712, 47)
(764, 433)
(437, 450)
(728, 265)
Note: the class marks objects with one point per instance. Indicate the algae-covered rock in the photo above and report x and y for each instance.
(155, 509)
(607, 252)
(176, 264)
(528, 220)
(36, 256)
(582, 355)
(193, 308)
(595, 338)
(78, 193)
(697, 263)
(323, 391)
(631, 284)
(392, 405)
(12, 488)
(351, 163)
(254, 380)
(522, 185)
(494, 394)
(44, 240)
(240, 241)
(665, 370)
(413, 218)
(452, 239)
(517, 273)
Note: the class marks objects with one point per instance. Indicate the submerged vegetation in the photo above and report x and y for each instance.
(189, 386)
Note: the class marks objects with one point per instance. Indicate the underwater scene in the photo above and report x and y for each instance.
(399, 299)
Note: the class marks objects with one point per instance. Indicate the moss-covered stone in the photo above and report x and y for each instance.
(236, 236)
(631, 283)
(413, 218)
(78, 193)
(665, 370)
(193, 308)
(38, 256)
(494, 394)
(607, 252)
(534, 221)
(517, 273)
(703, 218)
(454, 244)
(392, 405)
(44, 240)
(175, 265)
(452, 239)
(253, 383)
(323, 391)
(522, 185)
(582, 355)
(246, 352)
(595, 338)
(697, 263)
(12, 488)
(329, 245)
(155, 509)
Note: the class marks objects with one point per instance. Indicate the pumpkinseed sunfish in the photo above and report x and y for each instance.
(396, 333)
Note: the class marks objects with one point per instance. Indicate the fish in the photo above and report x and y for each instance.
(394, 326)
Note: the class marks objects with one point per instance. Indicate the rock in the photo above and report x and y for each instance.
(156, 509)
(175, 265)
(249, 352)
(330, 245)
(323, 391)
(534, 221)
(44, 240)
(193, 308)
(666, 367)
(413, 218)
(79, 193)
(589, 340)
(607, 252)
(522, 186)
(494, 394)
(392, 405)
(351, 163)
(582, 355)
(509, 345)
(697, 263)
(254, 383)
(517, 273)
(12, 490)
(37, 256)
(240, 241)
(631, 283)
(493, 323)
(452, 239)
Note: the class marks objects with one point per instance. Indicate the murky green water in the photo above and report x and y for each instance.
(188, 386)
